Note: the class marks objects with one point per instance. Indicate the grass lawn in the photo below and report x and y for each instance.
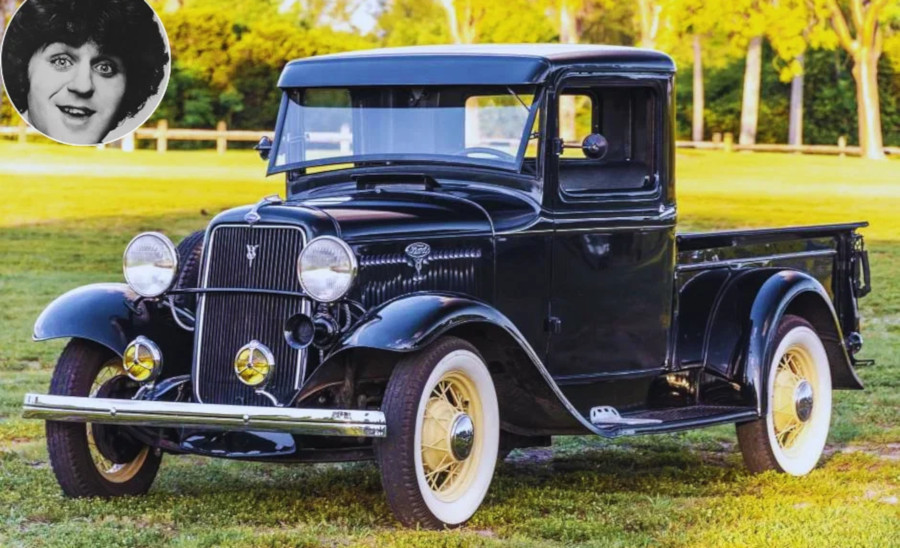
(67, 213)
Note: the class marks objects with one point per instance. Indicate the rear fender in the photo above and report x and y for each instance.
(530, 402)
(740, 337)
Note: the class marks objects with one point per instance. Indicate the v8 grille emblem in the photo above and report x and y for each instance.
(251, 253)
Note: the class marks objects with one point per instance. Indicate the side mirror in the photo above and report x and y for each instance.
(595, 146)
(264, 147)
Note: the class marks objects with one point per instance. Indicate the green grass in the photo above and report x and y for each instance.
(66, 214)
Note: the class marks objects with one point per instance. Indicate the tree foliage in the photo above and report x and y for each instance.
(226, 63)
(227, 57)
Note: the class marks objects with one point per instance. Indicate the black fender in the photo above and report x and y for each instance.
(102, 313)
(740, 334)
(111, 315)
(530, 401)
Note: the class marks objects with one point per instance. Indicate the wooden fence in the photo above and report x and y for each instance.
(162, 134)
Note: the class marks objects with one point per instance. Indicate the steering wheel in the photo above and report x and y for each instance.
(498, 154)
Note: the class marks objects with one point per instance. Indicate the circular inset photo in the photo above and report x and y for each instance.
(84, 72)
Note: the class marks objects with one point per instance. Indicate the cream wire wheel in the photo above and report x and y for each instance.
(443, 424)
(791, 436)
(112, 471)
(453, 413)
(91, 460)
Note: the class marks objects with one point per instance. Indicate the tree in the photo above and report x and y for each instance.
(748, 26)
(413, 23)
(568, 15)
(693, 21)
(650, 13)
(864, 41)
(608, 22)
(788, 28)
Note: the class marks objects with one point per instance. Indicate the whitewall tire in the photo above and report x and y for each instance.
(791, 436)
(443, 432)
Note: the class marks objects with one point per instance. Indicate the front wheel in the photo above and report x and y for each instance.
(443, 431)
(96, 460)
(791, 436)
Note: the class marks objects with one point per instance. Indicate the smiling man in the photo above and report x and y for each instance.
(78, 70)
(75, 93)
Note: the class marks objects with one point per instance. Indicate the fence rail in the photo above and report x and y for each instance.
(162, 134)
(726, 143)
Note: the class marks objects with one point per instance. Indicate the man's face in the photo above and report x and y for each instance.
(74, 93)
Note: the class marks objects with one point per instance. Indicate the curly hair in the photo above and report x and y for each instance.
(124, 28)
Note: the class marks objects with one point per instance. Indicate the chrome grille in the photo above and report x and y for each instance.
(228, 321)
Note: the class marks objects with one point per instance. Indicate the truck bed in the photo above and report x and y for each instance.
(833, 254)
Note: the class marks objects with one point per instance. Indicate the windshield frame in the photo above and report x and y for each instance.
(298, 169)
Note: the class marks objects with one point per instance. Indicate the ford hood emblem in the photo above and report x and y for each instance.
(418, 252)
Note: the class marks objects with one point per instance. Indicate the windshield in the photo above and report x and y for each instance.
(347, 127)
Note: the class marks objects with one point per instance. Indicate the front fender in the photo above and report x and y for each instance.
(102, 313)
(793, 292)
(412, 322)
(106, 314)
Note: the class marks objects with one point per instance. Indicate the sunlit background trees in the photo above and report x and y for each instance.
(786, 71)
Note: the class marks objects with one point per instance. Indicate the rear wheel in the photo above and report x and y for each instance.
(791, 436)
(443, 428)
(95, 460)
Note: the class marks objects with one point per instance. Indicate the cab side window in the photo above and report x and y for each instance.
(618, 122)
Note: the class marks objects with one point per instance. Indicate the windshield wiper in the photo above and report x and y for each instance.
(519, 99)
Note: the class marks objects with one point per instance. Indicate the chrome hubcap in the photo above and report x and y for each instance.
(803, 400)
(462, 437)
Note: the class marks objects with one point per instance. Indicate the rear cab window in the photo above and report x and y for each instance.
(626, 116)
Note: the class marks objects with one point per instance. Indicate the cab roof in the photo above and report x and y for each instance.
(484, 64)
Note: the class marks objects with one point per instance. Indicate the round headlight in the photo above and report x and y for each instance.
(150, 264)
(326, 268)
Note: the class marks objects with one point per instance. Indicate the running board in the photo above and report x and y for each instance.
(605, 415)
(612, 424)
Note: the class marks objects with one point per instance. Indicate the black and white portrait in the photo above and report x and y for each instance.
(84, 72)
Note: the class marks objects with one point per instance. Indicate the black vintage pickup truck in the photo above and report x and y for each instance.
(449, 278)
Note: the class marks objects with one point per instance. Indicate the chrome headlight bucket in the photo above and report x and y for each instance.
(142, 360)
(326, 268)
(150, 264)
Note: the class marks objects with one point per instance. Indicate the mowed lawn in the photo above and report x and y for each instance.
(67, 213)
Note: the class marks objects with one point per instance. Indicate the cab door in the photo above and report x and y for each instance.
(613, 243)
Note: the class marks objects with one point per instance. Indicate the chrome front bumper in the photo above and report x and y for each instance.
(317, 422)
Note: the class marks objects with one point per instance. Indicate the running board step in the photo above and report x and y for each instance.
(604, 415)
(610, 423)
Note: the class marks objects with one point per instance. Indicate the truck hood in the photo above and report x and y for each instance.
(367, 215)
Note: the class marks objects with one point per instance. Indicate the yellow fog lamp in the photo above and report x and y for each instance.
(142, 360)
(254, 364)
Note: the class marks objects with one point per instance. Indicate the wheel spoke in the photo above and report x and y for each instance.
(107, 468)
(442, 465)
(433, 477)
(443, 421)
(788, 432)
(783, 417)
(457, 400)
(787, 367)
(441, 390)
